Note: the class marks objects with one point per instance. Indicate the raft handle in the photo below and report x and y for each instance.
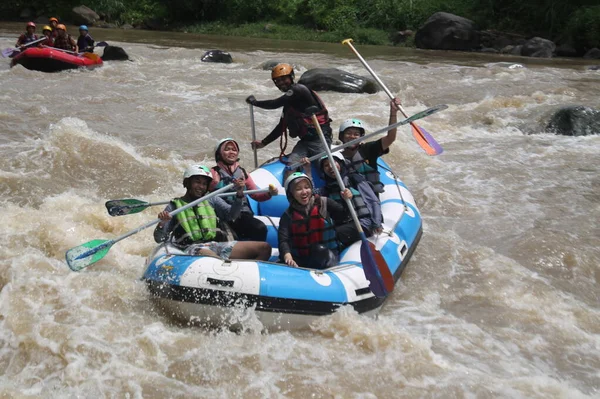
(362, 291)
(222, 283)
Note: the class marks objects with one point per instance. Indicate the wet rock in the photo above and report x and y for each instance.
(593, 54)
(566, 50)
(83, 15)
(114, 53)
(107, 25)
(445, 31)
(217, 56)
(499, 40)
(401, 36)
(269, 65)
(575, 121)
(333, 79)
(127, 26)
(538, 47)
(489, 50)
(594, 68)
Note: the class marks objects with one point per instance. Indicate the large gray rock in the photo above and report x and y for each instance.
(217, 56)
(83, 15)
(592, 54)
(114, 53)
(445, 31)
(333, 79)
(538, 47)
(499, 40)
(576, 120)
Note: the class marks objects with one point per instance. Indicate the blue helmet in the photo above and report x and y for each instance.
(84, 27)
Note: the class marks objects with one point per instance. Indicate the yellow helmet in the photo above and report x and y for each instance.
(47, 28)
(282, 70)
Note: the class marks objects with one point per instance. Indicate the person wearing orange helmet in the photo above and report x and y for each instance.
(64, 41)
(297, 99)
(27, 37)
(53, 22)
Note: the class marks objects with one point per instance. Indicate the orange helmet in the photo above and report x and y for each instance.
(53, 19)
(282, 70)
(61, 26)
(29, 24)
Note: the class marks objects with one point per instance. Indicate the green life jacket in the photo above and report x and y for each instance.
(196, 224)
(359, 164)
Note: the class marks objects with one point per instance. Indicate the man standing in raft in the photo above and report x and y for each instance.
(195, 229)
(362, 157)
(295, 101)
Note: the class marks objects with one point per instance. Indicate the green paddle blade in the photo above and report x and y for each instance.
(88, 253)
(125, 206)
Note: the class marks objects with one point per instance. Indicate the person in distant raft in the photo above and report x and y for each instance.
(53, 23)
(296, 100)
(195, 229)
(49, 42)
(64, 41)
(362, 157)
(228, 169)
(85, 42)
(27, 37)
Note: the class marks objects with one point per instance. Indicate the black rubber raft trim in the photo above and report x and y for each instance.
(203, 296)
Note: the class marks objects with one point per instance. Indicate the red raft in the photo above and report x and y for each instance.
(46, 59)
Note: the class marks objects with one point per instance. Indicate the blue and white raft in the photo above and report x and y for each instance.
(210, 291)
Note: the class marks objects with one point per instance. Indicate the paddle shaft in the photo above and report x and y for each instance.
(156, 221)
(227, 194)
(372, 72)
(253, 133)
(338, 177)
(416, 116)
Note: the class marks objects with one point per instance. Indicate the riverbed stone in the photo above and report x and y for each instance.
(578, 120)
(538, 47)
(114, 53)
(445, 31)
(592, 54)
(83, 15)
(333, 79)
(217, 56)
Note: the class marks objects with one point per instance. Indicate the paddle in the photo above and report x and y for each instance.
(130, 206)
(92, 251)
(375, 268)
(416, 116)
(423, 138)
(253, 134)
(9, 51)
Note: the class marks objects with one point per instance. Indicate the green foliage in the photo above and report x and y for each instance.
(584, 28)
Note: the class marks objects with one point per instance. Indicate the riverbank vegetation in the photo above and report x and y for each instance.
(367, 21)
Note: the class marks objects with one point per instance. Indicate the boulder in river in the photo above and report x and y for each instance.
(217, 56)
(538, 47)
(576, 120)
(592, 54)
(445, 31)
(83, 15)
(333, 79)
(114, 53)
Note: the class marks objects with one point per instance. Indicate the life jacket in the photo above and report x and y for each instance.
(64, 42)
(84, 42)
(300, 124)
(196, 224)
(48, 42)
(359, 165)
(24, 38)
(310, 229)
(226, 178)
(358, 202)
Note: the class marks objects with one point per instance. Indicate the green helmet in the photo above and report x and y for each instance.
(295, 176)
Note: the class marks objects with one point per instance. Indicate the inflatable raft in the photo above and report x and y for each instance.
(214, 292)
(46, 59)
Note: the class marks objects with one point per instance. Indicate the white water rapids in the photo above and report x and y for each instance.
(500, 300)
